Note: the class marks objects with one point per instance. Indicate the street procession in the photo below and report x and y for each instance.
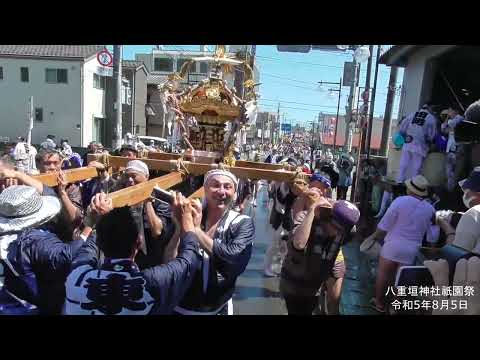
(239, 180)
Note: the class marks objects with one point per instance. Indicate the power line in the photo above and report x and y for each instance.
(299, 62)
(295, 108)
(286, 78)
(293, 102)
(301, 81)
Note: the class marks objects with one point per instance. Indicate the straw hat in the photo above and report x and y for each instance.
(418, 185)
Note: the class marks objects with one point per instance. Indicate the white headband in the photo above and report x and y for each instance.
(228, 174)
(138, 166)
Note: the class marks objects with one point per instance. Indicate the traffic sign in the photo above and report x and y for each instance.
(287, 128)
(105, 58)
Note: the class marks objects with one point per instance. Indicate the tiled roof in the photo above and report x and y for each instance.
(156, 79)
(132, 64)
(63, 51)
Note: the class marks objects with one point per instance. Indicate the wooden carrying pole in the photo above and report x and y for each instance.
(200, 169)
(239, 163)
(256, 165)
(71, 176)
(199, 194)
(140, 192)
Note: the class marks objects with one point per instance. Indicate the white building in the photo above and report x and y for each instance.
(63, 82)
(442, 74)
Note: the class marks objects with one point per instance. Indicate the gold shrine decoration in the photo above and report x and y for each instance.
(71, 176)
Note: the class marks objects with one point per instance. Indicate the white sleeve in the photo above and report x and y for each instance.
(467, 234)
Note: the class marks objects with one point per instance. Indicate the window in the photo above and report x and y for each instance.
(126, 94)
(99, 82)
(180, 62)
(99, 132)
(62, 76)
(203, 68)
(56, 76)
(39, 114)
(24, 74)
(1, 73)
(193, 68)
(164, 64)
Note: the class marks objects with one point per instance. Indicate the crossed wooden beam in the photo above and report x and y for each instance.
(168, 163)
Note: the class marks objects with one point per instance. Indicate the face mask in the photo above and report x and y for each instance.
(467, 200)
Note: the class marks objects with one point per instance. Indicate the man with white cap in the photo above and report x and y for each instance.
(155, 222)
(35, 261)
(226, 241)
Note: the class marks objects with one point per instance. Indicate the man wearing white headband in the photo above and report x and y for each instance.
(226, 241)
(154, 218)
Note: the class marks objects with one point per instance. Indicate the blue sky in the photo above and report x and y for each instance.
(292, 79)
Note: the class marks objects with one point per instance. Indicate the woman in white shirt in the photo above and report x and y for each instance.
(403, 227)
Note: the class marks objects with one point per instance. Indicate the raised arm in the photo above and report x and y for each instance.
(169, 282)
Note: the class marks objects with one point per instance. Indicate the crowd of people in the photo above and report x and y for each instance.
(66, 250)
(150, 258)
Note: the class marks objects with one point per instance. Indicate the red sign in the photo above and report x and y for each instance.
(105, 58)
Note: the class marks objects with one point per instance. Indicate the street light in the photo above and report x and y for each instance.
(361, 54)
(339, 90)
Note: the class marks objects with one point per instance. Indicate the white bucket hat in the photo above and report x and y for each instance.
(22, 207)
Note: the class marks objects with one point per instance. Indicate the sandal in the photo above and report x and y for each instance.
(373, 305)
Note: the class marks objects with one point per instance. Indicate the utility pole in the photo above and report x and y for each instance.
(252, 58)
(274, 127)
(31, 114)
(363, 132)
(263, 128)
(338, 111)
(372, 105)
(117, 79)
(348, 116)
(365, 108)
(387, 121)
(239, 78)
(319, 127)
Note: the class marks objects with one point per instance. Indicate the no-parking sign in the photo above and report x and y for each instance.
(105, 59)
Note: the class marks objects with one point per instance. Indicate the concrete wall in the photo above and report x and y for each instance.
(94, 102)
(140, 100)
(61, 103)
(147, 60)
(154, 124)
(417, 78)
(416, 90)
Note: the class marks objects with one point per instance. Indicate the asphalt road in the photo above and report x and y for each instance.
(256, 294)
